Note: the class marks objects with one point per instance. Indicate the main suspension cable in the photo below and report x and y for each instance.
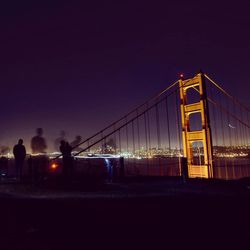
(227, 94)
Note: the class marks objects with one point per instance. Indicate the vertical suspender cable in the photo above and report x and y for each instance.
(178, 129)
(158, 137)
(115, 141)
(168, 133)
(120, 144)
(230, 141)
(241, 132)
(158, 126)
(244, 133)
(127, 142)
(168, 128)
(133, 136)
(214, 131)
(223, 139)
(127, 134)
(243, 128)
(248, 134)
(149, 133)
(133, 139)
(146, 139)
(138, 133)
(149, 136)
(236, 129)
(248, 140)
(88, 145)
(103, 142)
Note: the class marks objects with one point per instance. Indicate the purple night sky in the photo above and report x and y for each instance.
(78, 66)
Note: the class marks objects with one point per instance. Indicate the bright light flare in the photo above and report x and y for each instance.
(54, 166)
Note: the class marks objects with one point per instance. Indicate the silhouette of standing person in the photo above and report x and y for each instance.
(66, 150)
(75, 144)
(38, 162)
(38, 143)
(59, 139)
(19, 152)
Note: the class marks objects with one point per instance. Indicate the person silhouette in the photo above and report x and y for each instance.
(19, 152)
(75, 144)
(66, 151)
(59, 139)
(38, 143)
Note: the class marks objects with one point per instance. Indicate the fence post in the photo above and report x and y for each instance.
(122, 169)
(184, 169)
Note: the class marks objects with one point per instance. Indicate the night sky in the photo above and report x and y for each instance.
(78, 66)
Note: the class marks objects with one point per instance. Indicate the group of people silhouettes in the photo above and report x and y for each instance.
(39, 146)
(62, 137)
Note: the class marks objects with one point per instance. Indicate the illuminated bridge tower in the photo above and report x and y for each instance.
(197, 144)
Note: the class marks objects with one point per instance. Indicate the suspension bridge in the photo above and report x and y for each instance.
(193, 119)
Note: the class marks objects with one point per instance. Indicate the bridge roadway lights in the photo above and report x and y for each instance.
(190, 137)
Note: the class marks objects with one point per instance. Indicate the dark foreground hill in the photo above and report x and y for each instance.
(154, 214)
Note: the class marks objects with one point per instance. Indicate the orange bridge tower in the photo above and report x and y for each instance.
(197, 144)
